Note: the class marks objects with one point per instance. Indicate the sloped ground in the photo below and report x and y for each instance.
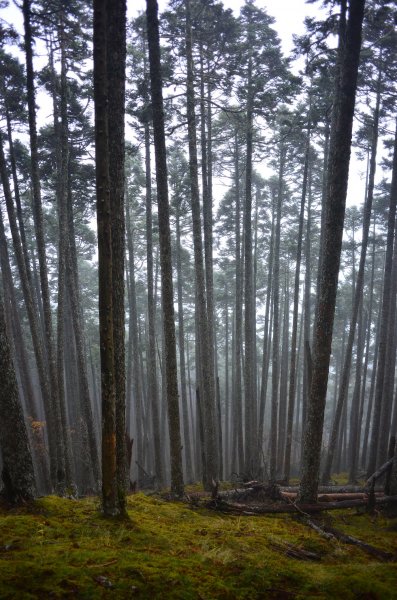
(64, 549)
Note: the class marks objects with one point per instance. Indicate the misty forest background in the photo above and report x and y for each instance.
(248, 132)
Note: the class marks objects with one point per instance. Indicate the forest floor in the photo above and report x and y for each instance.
(62, 548)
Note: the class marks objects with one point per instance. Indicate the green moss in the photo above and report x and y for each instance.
(343, 479)
(64, 548)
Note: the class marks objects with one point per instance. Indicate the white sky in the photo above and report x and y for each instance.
(289, 14)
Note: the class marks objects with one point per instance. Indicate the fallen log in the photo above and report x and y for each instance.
(368, 548)
(332, 489)
(257, 490)
(277, 492)
(334, 497)
(257, 509)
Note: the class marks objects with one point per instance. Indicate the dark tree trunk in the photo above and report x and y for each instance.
(17, 475)
(206, 178)
(32, 315)
(207, 395)
(116, 61)
(21, 223)
(390, 366)
(338, 171)
(276, 320)
(105, 266)
(238, 440)
(307, 310)
(167, 295)
(384, 323)
(266, 336)
(251, 446)
(368, 337)
(282, 412)
(151, 307)
(62, 159)
(354, 433)
(59, 476)
(358, 293)
(182, 366)
(133, 342)
(293, 362)
(371, 394)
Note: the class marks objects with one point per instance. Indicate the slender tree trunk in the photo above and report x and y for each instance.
(390, 366)
(165, 249)
(282, 413)
(62, 159)
(276, 322)
(206, 170)
(368, 335)
(134, 344)
(238, 439)
(152, 370)
(292, 368)
(339, 159)
(354, 437)
(371, 394)
(251, 454)
(358, 293)
(41, 246)
(384, 324)
(17, 197)
(105, 261)
(307, 310)
(116, 62)
(182, 365)
(266, 335)
(207, 396)
(227, 427)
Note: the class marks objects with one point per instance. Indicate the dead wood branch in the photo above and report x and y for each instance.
(294, 551)
(379, 472)
(331, 533)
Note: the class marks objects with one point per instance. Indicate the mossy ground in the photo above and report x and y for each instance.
(65, 549)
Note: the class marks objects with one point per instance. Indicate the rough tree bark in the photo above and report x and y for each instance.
(105, 267)
(17, 475)
(32, 314)
(167, 293)
(358, 291)
(116, 62)
(338, 171)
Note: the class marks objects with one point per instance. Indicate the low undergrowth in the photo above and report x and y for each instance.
(63, 548)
